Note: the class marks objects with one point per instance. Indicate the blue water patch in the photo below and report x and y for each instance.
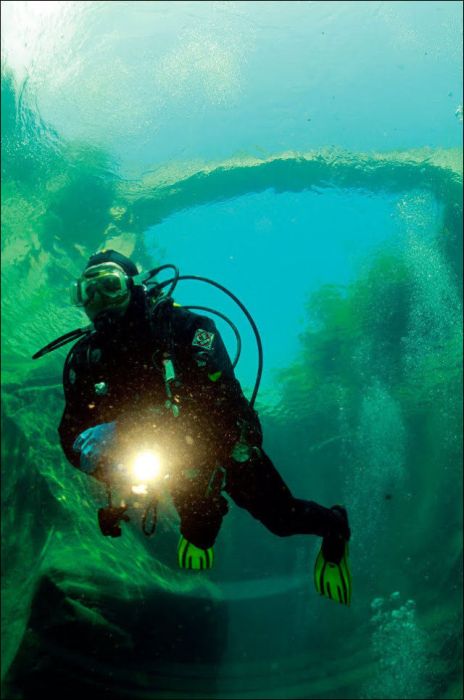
(273, 250)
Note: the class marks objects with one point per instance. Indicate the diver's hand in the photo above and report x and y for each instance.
(248, 443)
(96, 446)
(242, 452)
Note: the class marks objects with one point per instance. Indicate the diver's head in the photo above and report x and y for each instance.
(105, 285)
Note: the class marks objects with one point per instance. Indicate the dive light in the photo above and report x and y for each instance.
(146, 467)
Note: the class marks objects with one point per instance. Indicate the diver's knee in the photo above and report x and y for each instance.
(281, 528)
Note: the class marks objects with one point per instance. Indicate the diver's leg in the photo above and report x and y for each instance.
(200, 512)
(257, 486)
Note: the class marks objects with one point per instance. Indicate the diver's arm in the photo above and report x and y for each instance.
(89, 449)
(77, 415)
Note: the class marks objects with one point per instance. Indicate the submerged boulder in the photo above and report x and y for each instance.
(120, 641)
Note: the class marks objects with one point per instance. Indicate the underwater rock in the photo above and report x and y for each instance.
(84, 639)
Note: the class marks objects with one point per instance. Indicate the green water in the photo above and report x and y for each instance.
(376, 384)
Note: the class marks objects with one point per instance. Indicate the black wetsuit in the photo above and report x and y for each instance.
(118, 374)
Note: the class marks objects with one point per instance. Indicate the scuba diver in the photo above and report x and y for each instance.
(153, 376)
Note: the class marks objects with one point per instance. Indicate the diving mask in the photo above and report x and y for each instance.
(107, 280)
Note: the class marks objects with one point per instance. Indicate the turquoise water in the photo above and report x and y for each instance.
(274, 251)
(308, 156)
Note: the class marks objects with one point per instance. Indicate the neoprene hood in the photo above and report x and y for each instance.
(113, 256)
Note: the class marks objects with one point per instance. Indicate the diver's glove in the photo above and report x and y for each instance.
(191, 557)
(95, 445)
